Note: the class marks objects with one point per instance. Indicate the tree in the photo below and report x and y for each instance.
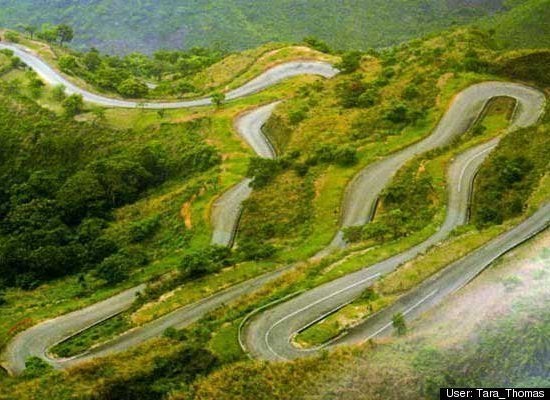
(317, 44)
(114, 269)
(64, 33)
(399, 324)
(397, 114)
(351, 61)
(92, 60)
(133, 88)
(218, 99)
(48, 33)
(29, 29)
(73, 105)
(67, 64)
(58, 93)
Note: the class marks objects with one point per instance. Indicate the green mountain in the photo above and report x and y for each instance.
(145, 25)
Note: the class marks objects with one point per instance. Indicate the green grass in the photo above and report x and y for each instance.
(97, 334)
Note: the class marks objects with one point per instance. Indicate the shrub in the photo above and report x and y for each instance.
(73, 105)
(133, 88)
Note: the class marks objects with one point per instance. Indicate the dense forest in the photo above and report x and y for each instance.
(60, 182)
(123, 26)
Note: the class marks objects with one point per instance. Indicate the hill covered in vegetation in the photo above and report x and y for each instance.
(123, 26)
(128, 193)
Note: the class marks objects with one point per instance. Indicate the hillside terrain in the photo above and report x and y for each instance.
(98, 200)
(125, 26)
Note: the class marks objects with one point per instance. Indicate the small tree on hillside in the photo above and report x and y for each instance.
(218, 99)
(399, 325)
(64, 33)
(73, 105)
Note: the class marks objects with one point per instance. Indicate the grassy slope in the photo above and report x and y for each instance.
(326, 122)
(172, 239)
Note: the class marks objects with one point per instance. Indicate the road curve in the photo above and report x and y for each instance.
(226, 210)
(362, 193)
(268, 78)
(36, 341)
(269, 335)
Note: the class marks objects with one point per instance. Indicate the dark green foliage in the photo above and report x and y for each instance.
(508, 177)
(262, 171)
(218, 99)
(355, 93)
(340, 155)
(58, 190)
(116, 268)
(73, 105)
(133, 88)
(317, 44)
(35, 367)
(164, 375)
(206, 261)
(144, 229)
(399, 325)
(533, 67)
(121, 26)
(255, 249)
(351, 61)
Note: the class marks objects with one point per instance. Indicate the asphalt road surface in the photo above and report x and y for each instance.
(291, 316)
(226, 210)
(269, 335)
(269, 78)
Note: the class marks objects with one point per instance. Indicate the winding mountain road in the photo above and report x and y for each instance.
(269, 78)
(37, 340)
(226, 210)
(269, 334)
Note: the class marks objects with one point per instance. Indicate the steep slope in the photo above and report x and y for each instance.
(125, 26)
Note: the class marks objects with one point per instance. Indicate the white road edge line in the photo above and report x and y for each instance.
(266, 336)
(404, 313)
(468, 164)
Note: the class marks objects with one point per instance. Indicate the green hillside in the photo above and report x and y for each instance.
(123, 26)
(128, 192)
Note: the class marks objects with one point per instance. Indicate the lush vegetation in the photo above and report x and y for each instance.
(508, 179)
(120, 26)
(61, 181)
(128, 193)
(128, 75)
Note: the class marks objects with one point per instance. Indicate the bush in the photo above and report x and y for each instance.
(68, 64)
(133, 88)
(73, 105)
(399, 324)
(139, 231)
(11, 37)
(251, 249)
(204, 262)
(58, 93)
(351, 61)
(36, 367)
